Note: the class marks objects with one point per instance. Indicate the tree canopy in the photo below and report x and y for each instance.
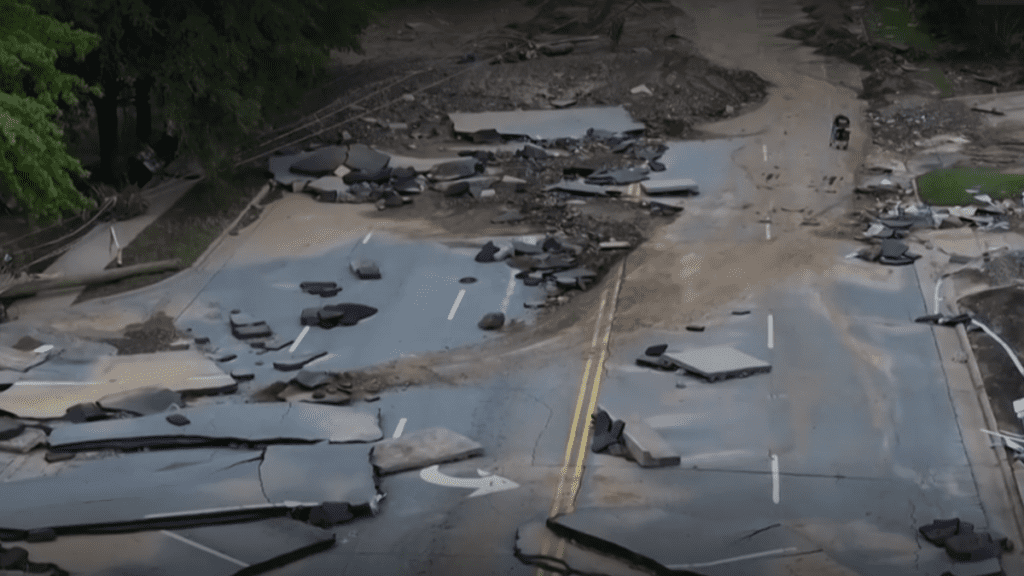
(35, 166)
(216, 69)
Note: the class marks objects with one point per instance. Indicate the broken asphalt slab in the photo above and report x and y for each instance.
(533, 546)
(548, 124)
(228, 550)
(321, 162)
(20, 360)
(141, 401)
(422, 448)
(297, 361)
(654, 536)
(365, 269)
(184, 371)
(126, 489)
(717, 362)
(319, 473)
(644, 444)
(254, 423)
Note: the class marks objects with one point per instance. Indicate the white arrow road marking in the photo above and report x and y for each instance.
(458, 300)
(764, 151)
(299, 339)
(206, 549)
(768, 231)
(775, 478)
(508, 291)
(937, 284)
(399, 428)
(485, 485)
(771, 332)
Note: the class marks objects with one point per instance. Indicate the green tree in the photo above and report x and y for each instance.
(218, 70)
(35, 166)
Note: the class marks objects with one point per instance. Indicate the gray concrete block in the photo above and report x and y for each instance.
(422, 448)
(645, 445)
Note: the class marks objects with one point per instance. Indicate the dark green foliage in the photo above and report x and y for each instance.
(982, 30)
(218, 70)
(35, 167)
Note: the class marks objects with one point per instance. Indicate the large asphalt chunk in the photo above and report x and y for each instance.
(972, 547)
(322, 162)
(365, 159)
(9, 428)
(319, 473)
(352, 313)
(365, 269)
(422, 448)
(297, 362)
(455, 169)
(250, 331)
(492, 321)
(256, 423)
(487, 253)
(141, 401)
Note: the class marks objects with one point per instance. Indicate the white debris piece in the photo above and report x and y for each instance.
(641, 89)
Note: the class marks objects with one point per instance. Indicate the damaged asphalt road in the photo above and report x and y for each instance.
(556, 340)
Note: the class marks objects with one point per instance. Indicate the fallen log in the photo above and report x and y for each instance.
(35, 286)
(992, 111)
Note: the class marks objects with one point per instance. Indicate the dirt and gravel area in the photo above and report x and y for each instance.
(1002, 310)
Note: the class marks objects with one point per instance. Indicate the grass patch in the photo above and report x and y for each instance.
(892, 19)
(946, 187)
(934, 75)
(186, 230)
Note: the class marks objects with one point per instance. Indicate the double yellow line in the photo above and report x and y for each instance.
(579, 432)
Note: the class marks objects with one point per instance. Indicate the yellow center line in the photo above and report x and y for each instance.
(571, 442)
(595, 389)
(578, 414)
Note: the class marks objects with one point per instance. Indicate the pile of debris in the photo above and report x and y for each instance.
(553, 263)
(963, 544)
(346, 173)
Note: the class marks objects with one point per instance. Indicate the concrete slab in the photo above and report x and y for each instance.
(717, 362)
(247, 548)
(284, 422)
(184, 371)
(548, 124)
(319, 473)
(422, 448)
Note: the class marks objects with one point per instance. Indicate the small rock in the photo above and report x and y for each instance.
(178, 419)
(492, 321)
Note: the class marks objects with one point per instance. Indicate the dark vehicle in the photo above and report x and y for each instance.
(840, 137)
